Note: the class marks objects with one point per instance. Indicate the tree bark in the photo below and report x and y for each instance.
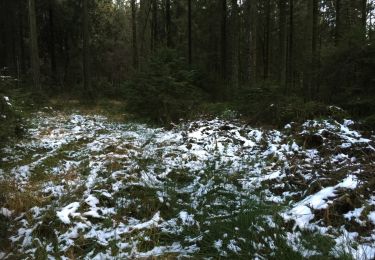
(315, 54)
(190, 45)
(224, 39)
(134, 32)
(266, 53)
(168, 23)
(34, 50)
(235, 48)
(290, 67)
(364, 18)
(52, 38)
(86, 49)
(282, 43)
(338, 22)
(154, 27)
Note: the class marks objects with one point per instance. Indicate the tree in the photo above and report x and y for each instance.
(86, 49)
(266, 39)
(251, 29)
(189, 34)
(290, 63)
(282, 43)
(338, 22)
(364, 17)
(52, 51)
(154, 25)
(168, 23)
(134, 33)
(34, 49)
(224, 39)
(235, 48)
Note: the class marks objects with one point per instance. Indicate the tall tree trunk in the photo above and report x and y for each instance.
(34, 50)
(254, 41)
(315, 53)
(224, 39)
(154, 27)
(266, 53)
(168, 23)
(290, 67)
(86, 49)
(52, 38)
(134, 32)
(338, 22)
(190, 45)
(235, 48)
(364, 18)
(282, 43)
(143, 40)
(21, 37)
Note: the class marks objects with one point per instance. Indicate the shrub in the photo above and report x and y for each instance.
(268, 105)
(10, 117)
(166, 90)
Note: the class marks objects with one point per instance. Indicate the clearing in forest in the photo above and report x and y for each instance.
(81, 186)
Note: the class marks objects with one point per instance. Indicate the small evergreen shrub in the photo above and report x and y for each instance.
(10, 116)
(268, 105)
(166, 90)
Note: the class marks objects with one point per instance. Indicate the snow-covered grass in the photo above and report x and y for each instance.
(83, 186)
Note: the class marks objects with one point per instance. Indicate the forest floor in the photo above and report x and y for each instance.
(81, 185)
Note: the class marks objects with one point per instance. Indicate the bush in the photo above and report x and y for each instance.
(10, 117)
(268, 105)
(166, 90)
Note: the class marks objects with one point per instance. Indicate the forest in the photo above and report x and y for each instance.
(204, 129)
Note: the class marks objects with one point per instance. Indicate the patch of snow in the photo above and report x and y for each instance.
(67, 212)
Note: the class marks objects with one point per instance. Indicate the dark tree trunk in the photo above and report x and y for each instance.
(34, 50)
(290, 67)
(338, 22)
(266, 53)
(282, 43)
(168, 23)
(21, 37)
(364, 17)
(86, 49)
(235, 48)
(134, 32)
(154, 27)
(224, 39)
(315, 54)
(52, 39)
(190, 45)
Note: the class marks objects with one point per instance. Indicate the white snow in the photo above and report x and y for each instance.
(67, 212)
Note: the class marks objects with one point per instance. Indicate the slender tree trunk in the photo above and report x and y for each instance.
(86, 49)
(190, 45)
(168, 23)
(338, 22)
(143, 37)
(34, 56)
(364, 18)
(21, 37)
(52, 39)
(266, 57)
(235, 48)
(224, 39)
(282, 43)
(315, 53)
(134, 31)
(290, 67)
(154, 27)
